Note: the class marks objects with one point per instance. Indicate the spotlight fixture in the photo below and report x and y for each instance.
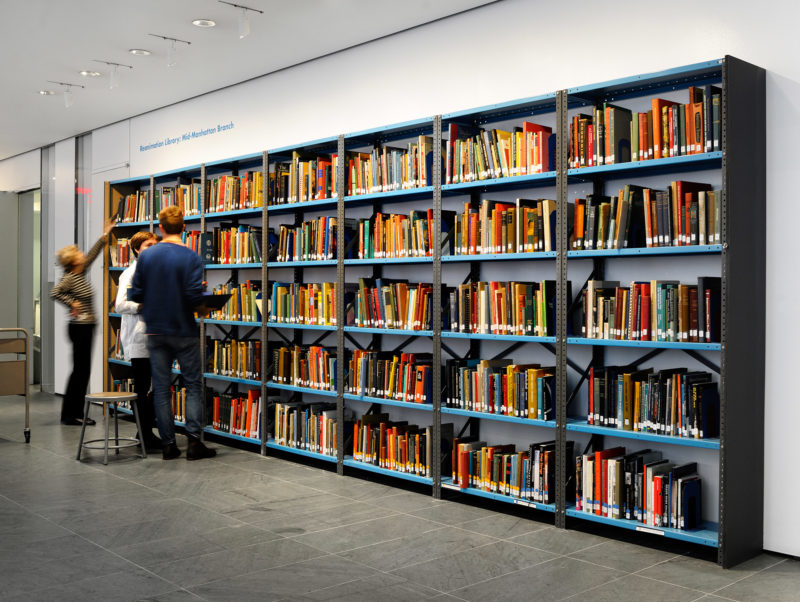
(204, 23)
(171, 47)
(86, 73)
(113, 80)
(68, 99)
(46, 92)
(139, 52)
(244, 18)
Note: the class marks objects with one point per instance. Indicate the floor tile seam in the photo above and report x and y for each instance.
(369, 545)
(623, 570)
(594, 587)
(391, 574)
(752, 573)
(527, 545)
(691, 589)
(453, 592)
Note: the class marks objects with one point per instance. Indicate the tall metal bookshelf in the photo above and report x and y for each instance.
(738, 359)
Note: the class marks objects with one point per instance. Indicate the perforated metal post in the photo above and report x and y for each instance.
(340, 359)
(436, 456)
(265, 354)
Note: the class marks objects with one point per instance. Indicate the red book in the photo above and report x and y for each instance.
(463, 468)
(600, 487)
(590, 136)
(658, 499)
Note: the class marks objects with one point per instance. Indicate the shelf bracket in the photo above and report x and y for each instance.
(706, 362)
(473, 425)
(577, 388)
(570, 362)
(508, 350)
(352, 340)
(450, 351)
(322, 337)
(403, 344)
(282, 336)
(634, 365)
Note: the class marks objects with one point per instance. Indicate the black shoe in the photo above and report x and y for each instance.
(170, 451)
(78, 421)
(197, 450)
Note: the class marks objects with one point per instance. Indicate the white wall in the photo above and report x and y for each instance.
(22, 172)
(63, 233)
(514, 49)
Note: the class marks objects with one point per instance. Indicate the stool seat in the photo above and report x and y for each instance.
(111, 398)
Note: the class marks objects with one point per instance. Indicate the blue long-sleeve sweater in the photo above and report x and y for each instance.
(168, 282)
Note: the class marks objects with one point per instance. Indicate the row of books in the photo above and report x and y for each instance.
(310, 427)
(501, 387)
(685, 214)
(658, 310)
(235, 414)
(673, 402)
(237, 359)
(387, 168)
(185, 196)
(392, 445)
(641, 486)
(244, 304)
(226, 244)
(309, 177)
(313, 367)
(394, 304)
(473, 153)
(401, 377)
(393, 235)
(313, 240)
(294, 303)
(134, 207)
(507, 308)
(116, 351)
(527, 474)
(120, 253)
(178, 402)
(525, 226)
(614, 134)
(123, 385)
(232, 193)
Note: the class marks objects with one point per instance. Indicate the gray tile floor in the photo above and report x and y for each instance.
(242, 527)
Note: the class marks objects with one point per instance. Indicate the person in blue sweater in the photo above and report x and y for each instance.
(168, 282)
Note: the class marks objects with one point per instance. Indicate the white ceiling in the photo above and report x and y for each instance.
(43, 40)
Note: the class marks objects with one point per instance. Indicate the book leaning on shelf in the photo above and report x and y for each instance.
(185, 196)
(388, 168)
(501, 387)
(392, 445)
(235, 414)
(524, 226)
(673, 402)
(404, 377)
(312, 304)
(134, 207)
(244, 304)
(309, 177)
(685, 214)
(655, 310)
(639, 486)
(526, 474)
(476, 154)
(614, 134)
(307, 426)
(392, 304)
(312, 367)
(505, 308)
(178, 401)
(237, 359)
(120, 253)
(313, 240)
(233, 193)
(392, 235)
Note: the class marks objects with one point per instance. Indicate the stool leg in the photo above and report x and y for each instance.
(116, 428)
(83, 427)
(105, 456)
(139, 431)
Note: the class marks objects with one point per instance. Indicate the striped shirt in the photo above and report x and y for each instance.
(75, 287)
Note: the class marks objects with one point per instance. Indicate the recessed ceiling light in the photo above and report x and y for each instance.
(85, 73)
(46, 92)
(139, 52)
(204, 23)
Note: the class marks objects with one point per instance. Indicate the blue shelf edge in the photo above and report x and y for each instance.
(712, 65)
(231, 379)
(282, 387)
(686, 250)
(214, 215)
(581, 426)
(113, 360)
(301, 264)
(500, 256)
(447, 483)
(284, 207)
(301, 452)
(213, 431)
(115, 268)
(418, 191)
(114, 315)
(388, 260)
(406, 476)
(427, 407)
(545, 177)
(395, 331)
(137, 224)
(230, 322)
(648, 164)
(300, 326)
(500, 417)
(647, 344)
(447, 334)
(232, 266)
(707, 536)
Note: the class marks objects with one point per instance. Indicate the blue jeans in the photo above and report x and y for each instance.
(163, 350)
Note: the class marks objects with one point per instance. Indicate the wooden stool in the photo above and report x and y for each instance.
(109, 400)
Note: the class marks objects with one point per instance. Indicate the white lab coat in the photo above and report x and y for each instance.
(132, 336)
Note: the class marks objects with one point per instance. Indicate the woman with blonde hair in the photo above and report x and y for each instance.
(75, 292)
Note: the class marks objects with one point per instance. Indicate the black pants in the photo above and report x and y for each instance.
(81, 336)
(141, 386)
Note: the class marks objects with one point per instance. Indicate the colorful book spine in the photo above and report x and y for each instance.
(312, 367)
(310, 427)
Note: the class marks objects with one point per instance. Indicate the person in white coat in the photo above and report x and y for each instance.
(134, 342)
